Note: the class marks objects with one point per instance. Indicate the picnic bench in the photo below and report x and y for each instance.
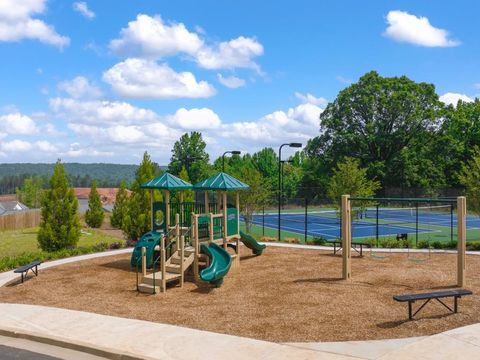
(33, 266)
(437, 295)
(337, 246)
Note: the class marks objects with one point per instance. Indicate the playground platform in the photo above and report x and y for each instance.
(111, 337)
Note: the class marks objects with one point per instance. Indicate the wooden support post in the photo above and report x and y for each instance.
(196, 245)
(152, 215)
(166, 199)
(182, 215)
(237, 205)
(182, 258)
(225, 219)
(461, 239)
(346, 237)
(144, 261)
(163, 265)
(207, 206)
(210, 228)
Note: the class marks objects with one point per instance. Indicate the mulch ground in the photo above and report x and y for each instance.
(285, 295)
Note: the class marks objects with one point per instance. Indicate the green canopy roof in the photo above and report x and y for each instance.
(221, 182)
(167, 181)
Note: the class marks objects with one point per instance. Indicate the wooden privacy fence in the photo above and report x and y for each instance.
(20, 220)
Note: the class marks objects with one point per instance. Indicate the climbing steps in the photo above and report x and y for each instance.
(152, 283)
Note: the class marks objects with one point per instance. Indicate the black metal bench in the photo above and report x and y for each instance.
(355, 245)
(26, 268)
(437, 295)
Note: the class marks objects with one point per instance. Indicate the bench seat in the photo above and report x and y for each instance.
(435, 295)
(23, 270)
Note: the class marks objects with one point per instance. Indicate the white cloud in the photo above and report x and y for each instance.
(100, 112)
(17, 23)
(15, 146)
(311, 99)
(453, 98)
(80, 87)
(18, 124)
(231, 82)
(78, 150)
(45, 146)
(82, 8)
(125, 134)
(295, 124)
(344, 80)
(145, 79)
(236, 53)
(195, 119)
(408, 28)
(152, 38)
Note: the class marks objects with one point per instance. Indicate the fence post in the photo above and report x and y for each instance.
(306, 220)
(346, 237)
(461, 239)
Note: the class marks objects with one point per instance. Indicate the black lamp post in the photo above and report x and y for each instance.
(293, 145)
(233, 152)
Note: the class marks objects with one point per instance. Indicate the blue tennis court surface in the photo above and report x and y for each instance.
(390, 223)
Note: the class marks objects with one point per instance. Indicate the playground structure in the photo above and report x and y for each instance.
(346, 230)
(186, 235)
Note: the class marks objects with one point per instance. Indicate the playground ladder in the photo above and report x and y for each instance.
(153, 282)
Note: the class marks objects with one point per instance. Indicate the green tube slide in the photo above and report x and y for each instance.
(251, 243)
(148, 241)
(220, 262)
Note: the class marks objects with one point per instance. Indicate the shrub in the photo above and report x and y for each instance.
(12, 262)
(95, 214)
(317, 240)
(60, 225)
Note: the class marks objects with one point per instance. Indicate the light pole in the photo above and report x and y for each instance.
(293, 145)
(233, 152)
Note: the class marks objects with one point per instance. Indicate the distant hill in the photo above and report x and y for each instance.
(80, 175)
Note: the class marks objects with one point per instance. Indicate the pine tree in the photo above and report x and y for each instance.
(137, 222)
(188, 194)
(95, 214)
(120, 208)
(60, 225)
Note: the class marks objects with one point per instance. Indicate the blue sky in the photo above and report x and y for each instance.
(103, 81)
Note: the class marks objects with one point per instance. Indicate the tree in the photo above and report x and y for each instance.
(137, 222)
(253, 199)
(374, 120)
(95, 214)
(189, 152)
(188, 195)
(31, 192)
(60, 225)
(120, 208)
(469, 176)
(349, 178)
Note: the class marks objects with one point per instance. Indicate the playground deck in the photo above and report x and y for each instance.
(285, 295)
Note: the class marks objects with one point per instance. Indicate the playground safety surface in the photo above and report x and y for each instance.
(285, 295)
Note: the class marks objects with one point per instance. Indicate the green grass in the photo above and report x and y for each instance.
(18, 242)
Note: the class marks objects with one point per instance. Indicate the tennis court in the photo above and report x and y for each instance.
(439, 221)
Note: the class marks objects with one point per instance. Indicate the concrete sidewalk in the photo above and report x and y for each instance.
(114, 337)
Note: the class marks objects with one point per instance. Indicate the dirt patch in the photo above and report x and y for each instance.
(283, 295)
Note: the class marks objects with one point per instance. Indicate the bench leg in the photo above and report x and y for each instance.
(35, 271)
(334, 248)
(361, 250)
(455, 304)
(410, 316)
(22, 277)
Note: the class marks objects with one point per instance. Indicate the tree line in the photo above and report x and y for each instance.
(379, 133)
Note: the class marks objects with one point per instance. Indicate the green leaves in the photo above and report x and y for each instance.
(95, 214)
(60, 226)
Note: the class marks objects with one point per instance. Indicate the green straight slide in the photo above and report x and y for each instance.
(220, 262)
(251, 243)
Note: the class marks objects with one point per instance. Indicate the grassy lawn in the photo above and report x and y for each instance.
(13, 243)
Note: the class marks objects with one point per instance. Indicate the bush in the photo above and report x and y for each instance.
(60, 225)
(317, 240)
(95, 214)
(13, 262)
